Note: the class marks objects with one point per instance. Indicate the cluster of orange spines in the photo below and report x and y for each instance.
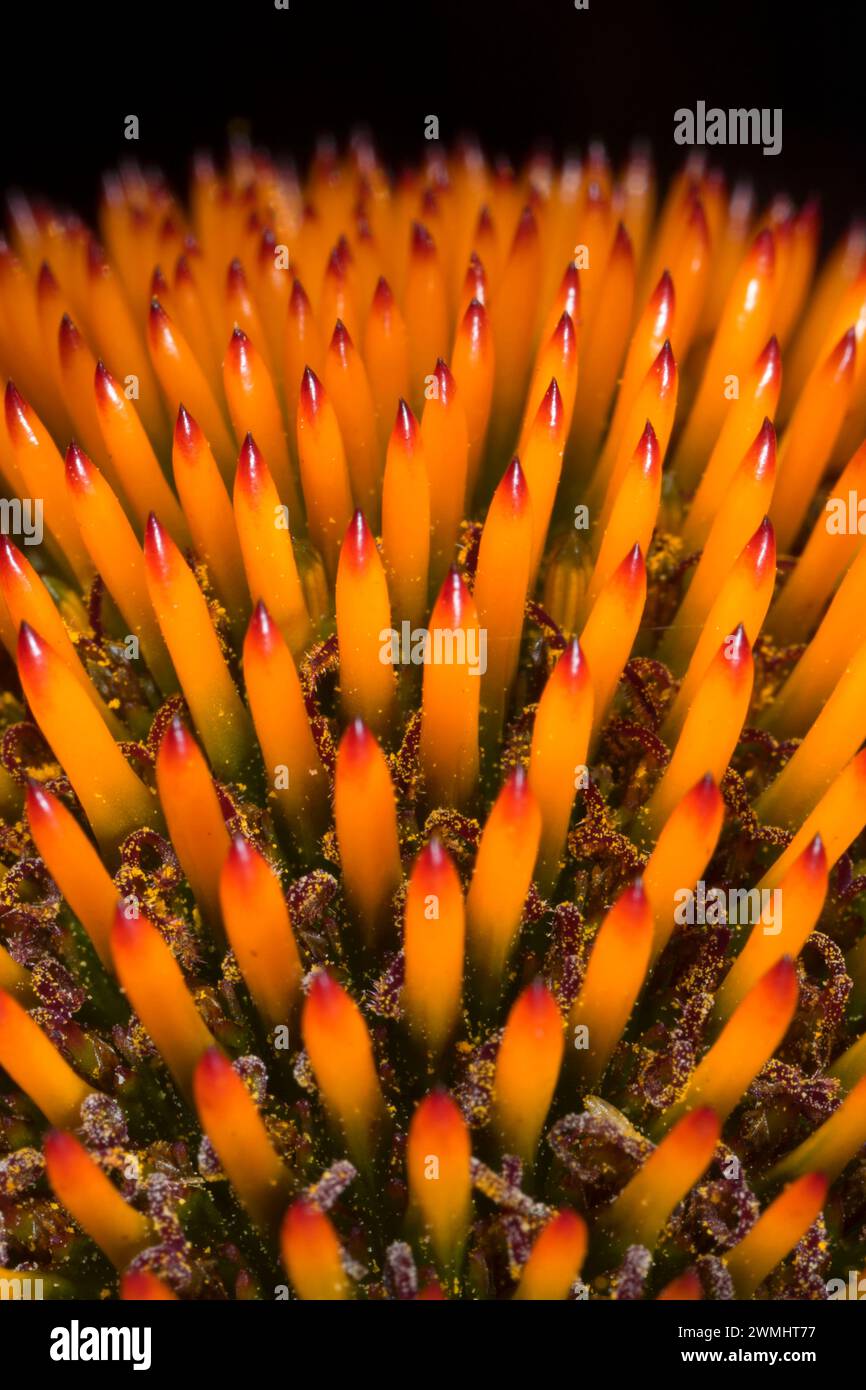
(355, 426)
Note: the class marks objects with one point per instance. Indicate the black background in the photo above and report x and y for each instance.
(518, 73)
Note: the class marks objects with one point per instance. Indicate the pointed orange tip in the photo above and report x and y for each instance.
(433, 863)
(704, 799)
(812, 1187)
(158, 283)
(326, 995)
(569, 285)
(213, 1074)
(437, 1113)
(358, 542)
(242, 862)
(447, 384)
(177, 744)
(474, 321)
(41, 805)
(45, 281)
(516, 796)
(235, 277)
(33, 650)
(762, 452)
(814, 858)
(783, 225)
(337, 266)
(699, 1128)
(536, 1004)
(17, 414)
(549, 415)
(735, 650)
(431, 1293)
(842, 358)
(633, 901)
(663, 295)
(779, 983)
(665, 367)
(697, 219)
(187, 433)
(140, 1286)
(128, 934)
(252, 471)
(647, 450)
(263, 635)
(405, 426)
(572, 669)
(158, 320)
(760, 550)
(239, 347)
(159, 548)
(686, 1288)
(622, 248)
(513, 487)
(267, 245)
(62, 1150)
(341, 343)
(770, 361)
(182, 273)
(298, 301)
(422, 243)
(454, 598)
(68, 337)
(566, 1225)
(631, 569)
(312, 394)
(303, 1226)
(383, 295)
(527, 229)
(303, 1211)
(563, 334)
(80, 471)
(357, 744)
(97, 261)
(10, 557)
(763, 252)
(106, 386)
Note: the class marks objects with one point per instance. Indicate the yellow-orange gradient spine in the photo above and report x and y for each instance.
(231, 1120)
(433, 946)
(440, 1188)
(259, 928)
(91, 1198)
